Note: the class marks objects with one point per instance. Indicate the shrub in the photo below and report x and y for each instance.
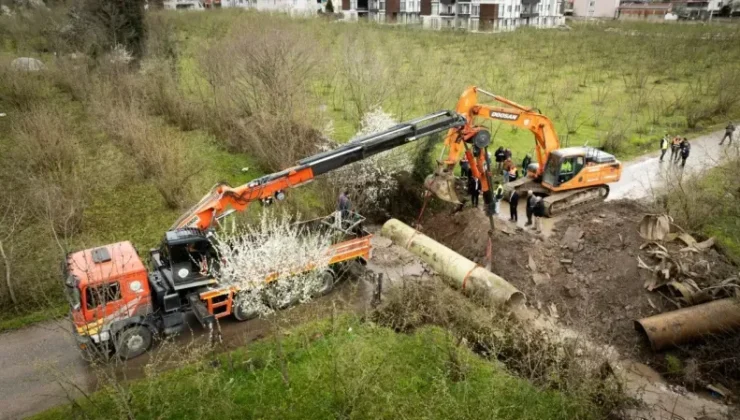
(262, 103)
(159, 152)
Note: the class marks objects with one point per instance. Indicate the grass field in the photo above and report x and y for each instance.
(216, 92)
(346, 369)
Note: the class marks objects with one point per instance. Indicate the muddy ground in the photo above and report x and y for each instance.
(593, 283)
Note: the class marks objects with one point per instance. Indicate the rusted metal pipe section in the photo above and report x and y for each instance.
(692, 323)
(457, 270)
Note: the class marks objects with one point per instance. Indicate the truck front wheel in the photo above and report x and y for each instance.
(133, 342)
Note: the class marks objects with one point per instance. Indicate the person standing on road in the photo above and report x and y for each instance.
(685, 150)
(539, 213)
(513, 204)
(663, 146)
(728, 132)
(531, 199)
(473, 190)
(675, 149)
(499, 154)
(498, 195)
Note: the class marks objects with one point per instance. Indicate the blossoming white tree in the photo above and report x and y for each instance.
(274, 263)
(373, 179)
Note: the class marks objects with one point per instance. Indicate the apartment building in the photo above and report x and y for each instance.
(475, 15)
(596, 8)
(287, 6)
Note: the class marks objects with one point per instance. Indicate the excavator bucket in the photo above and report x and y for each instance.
(442, 184)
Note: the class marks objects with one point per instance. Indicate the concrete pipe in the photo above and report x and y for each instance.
(688, 324)
(457, 270)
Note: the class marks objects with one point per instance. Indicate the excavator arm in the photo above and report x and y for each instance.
(223, 199)
(546, 139)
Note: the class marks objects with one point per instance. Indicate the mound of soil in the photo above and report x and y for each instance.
(587, 268)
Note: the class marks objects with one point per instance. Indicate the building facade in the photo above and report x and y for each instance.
(596, 8)
(475, 15)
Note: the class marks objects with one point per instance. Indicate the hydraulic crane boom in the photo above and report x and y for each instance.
(224, 199)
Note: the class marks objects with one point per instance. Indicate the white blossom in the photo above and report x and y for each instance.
(274, 263)
(372, 180)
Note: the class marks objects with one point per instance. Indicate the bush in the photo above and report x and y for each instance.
(159, 152)
(48, 161)
(261, 83)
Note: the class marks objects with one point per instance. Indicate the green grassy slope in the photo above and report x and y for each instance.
(348, 370)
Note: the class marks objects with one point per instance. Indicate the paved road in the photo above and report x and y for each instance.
(642, 176)
(34, 361)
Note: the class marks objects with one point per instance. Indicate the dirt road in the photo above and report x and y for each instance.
(35, 360)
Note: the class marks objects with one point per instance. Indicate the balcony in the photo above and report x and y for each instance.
(525, 15)
(528, 2)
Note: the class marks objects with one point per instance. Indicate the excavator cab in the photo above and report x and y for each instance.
(578, 167)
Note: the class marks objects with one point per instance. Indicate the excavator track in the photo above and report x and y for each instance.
(560, 202)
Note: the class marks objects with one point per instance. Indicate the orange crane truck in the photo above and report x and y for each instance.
(119, 305)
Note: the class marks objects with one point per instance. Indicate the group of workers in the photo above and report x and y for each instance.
(680, 148)
(535, 205)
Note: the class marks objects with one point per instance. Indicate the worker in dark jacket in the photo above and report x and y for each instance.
(685, 150)
(525, 164)
(499, 154)
(728, 132)
(464, 168)
(513, 203)
(473, 190)
(539, 213)
(531, 200)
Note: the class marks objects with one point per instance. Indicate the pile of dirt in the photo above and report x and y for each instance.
(586, 272)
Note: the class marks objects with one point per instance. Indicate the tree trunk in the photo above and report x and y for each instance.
(6, 261)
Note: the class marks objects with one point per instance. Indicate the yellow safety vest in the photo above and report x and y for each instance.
(499, 191)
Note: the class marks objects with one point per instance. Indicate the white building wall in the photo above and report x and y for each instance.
(287, 6)
(595, 8)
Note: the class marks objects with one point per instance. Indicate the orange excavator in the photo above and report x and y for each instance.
(564, 177)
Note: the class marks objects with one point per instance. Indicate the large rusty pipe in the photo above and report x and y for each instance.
(457, 270)
(688, 324)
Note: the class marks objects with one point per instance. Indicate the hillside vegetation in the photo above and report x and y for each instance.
(119, 134)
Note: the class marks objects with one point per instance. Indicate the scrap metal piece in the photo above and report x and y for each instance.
(654, 227)
(689, 324)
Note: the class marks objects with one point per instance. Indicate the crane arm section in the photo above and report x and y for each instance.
(224, 199)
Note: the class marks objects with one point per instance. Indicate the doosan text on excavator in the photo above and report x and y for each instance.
(119, 306)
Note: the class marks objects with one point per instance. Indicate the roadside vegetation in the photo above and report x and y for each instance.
(120, 133)
(427, 352)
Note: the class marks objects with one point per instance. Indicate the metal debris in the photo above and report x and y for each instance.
(654, 227)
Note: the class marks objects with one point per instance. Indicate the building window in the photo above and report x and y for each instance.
(591, 3)
(382, 5)
(403, 6)
(465, 9)
(508, 8)
(517, 8)
(435, 10)
(476, 10)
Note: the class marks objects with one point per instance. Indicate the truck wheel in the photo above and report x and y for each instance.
(327, 282)
(133, 342)
(243, 314)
